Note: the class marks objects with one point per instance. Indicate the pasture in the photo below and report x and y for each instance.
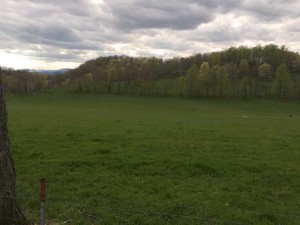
(142, 160)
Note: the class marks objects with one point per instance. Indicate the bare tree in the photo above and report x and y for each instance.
(10, 213)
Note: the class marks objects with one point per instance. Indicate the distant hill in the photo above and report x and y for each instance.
(51, 72)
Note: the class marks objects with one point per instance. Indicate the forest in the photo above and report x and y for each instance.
(269, 71)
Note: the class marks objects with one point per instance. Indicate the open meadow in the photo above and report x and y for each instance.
(142, 160)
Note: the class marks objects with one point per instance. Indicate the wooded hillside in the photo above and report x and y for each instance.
(261, 71)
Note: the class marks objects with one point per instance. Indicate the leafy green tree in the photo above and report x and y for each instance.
(10, 84)
(180, 85)
(244, 72)
(232, 71)
(25, 83)
(39, 81)
(164, 86)
(67, 84)
(296, 85)
(265, 74)
(191, 79)
(223, 81)
(55, 81)
(274, 55)
(204, 79)
(87, 81)
(111, 77)
(214, 58)
(265, 71)
(282, 83)
(296, 64)
(213, 80)
(128, 72)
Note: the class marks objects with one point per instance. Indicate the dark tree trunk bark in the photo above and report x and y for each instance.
(10, 213)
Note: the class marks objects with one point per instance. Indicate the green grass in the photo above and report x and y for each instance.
(139, 160)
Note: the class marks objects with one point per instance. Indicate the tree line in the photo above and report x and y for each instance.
(23, 81)
(263, 71)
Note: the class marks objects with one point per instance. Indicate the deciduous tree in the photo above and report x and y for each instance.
(191, 79)
(264, 76)
(10, 213)
(282, 82)
(204, 78)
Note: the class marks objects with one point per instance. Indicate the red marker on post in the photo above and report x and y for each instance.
(42, 200)
(43, 190)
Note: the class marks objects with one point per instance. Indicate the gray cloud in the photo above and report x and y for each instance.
(269, 10)
(52, 32)
(75, 31)
(77, 8)
(158, 14)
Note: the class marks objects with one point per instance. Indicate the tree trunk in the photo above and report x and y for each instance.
(10, 213)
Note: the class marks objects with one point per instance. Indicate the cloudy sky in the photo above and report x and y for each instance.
(52, 34)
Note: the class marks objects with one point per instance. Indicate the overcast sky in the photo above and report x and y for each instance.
(52, 34)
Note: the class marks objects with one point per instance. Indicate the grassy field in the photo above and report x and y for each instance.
(139, 160)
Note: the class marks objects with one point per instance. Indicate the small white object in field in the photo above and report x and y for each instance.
(245, 116)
